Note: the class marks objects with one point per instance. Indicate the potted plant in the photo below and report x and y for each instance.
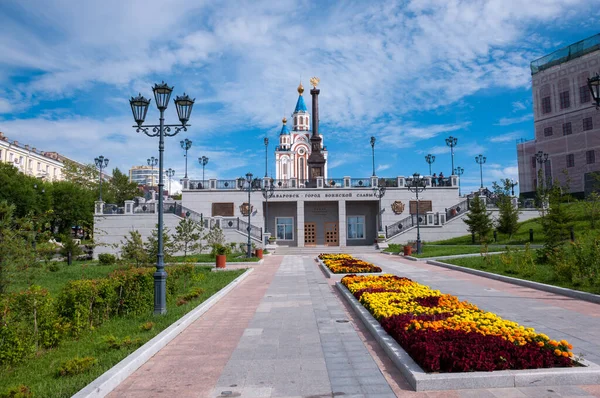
(220, 255)
(272, 240)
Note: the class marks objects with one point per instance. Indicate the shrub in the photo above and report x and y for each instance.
(126, 342)
(147, 326)
(133, 249)
(69, 246)
(53, 267)
(75, 366)
(107, 259)
(21, 391)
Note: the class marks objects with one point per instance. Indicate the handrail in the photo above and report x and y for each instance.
(456, 210)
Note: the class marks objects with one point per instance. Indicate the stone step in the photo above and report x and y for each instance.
(285, 250)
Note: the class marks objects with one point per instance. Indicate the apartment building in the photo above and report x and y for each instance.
(29, 160)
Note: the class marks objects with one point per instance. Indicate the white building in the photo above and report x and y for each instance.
(30, 161)
(144, 175)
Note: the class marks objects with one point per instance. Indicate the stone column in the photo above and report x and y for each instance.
(342, 222)
(129, 206)
(300, 223)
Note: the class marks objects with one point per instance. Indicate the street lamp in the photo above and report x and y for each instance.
(152, 162)
(541, 158)
(266, 156)
(170, 174)
(416, 185)
(594, 86)
(459, 171)
(139, 108)
(480, 159)
(451, 142)
(379, 192)
(242, 183)
(203, 161)
(430, 159)
(267, 192)
(185, 145)
(512, 186)
(101, 163)
(373, 151)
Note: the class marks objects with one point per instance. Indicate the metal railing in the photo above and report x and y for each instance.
(110, 208)
(360, 182)
(255, 232)
(334, 183)
(457, 210)
(388, 182)
(400, 226)
(199, 184)
(226, 184)
(441, 182)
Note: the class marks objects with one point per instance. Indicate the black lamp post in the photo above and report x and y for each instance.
(373, 152)
(512, 186)
(152, 161)
(416, 185)
(541, 158)
(101, 163)
(267, 192)
(203, 161)
(139, 107)
(480, 159)
(170, 174)
(430, 159)
(594, 86)
(266, 156)
(243, 183)
(459, 171)
(379, 192)
(185, 145)
(451, 142)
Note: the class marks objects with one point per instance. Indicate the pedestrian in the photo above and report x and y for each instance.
(441, 179)
(434, 180)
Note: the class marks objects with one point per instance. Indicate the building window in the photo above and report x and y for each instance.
(567, 129)
(547, 131)
(10, 157)
(588, 124)
(565, 102)
(533, 162)
(39, 166)
(356, 227)
(571, 160)
(546, 106)
(584, 94)
(590, 157)
(30, 164)
(285, 228)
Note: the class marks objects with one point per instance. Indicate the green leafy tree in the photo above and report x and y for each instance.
(215, 238)
(556, 224)
(28, 194)
(168, 245)
(84, 175)
(73, 206)
(122, 189)
(133, 249)
(187, 236)
(478, 219)
(591, 206)
(508, 213)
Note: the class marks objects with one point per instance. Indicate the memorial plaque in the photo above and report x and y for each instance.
(424, 206)
(222, 209)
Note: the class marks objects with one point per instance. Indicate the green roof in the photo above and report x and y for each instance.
(565, 54)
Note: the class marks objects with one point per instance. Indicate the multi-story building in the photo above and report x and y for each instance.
(144, 175)
(45, 165)
(566, 122)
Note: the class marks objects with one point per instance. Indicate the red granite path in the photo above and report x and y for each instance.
(191, 364)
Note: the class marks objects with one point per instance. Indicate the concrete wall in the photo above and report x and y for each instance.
(283, 210)
(369, 210)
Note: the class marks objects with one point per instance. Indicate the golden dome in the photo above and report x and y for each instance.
(284, 120)
(300, 89)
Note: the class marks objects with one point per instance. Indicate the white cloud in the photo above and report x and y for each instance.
(383, 167)
(518, 106)
(507, 121)
(507, 137)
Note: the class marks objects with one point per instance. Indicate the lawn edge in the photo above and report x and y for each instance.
(563, 291)
(110, 379)
(331, 275)
(419, 380)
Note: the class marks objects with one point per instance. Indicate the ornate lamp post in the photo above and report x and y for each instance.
(242, 184)
(266, 141)
(512, 186)
(170, 174)
(379, 192)
(430, 159)
(139, 108)
(101, 163)
(594, 86)
(480, 159)
(416, 185)
(185, 145)
(541, 158)
(451, 142)
(203, 161)
(152, 162)
(373, 152)
(459, 171)
(267, 193)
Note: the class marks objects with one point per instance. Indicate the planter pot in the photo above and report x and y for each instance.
(407, 250)
(221, 259)
(258, 253)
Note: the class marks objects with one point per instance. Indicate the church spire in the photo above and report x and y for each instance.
(301, 112)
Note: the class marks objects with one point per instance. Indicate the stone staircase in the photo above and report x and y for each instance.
(315, 250)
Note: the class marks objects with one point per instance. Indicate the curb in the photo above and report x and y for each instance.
(419, 380)
(110, 379)
(563, 291)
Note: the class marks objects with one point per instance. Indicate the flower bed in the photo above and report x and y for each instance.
(346, 264)
(443, 334)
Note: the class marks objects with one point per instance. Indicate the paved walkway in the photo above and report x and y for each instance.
(284, 333)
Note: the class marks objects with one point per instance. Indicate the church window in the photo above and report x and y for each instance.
(285, 168)
(301, 169)
(296, 120)
(307, 120)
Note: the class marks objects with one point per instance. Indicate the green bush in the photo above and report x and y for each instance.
(21, 391)
(75, 366)
(53, 267)
(116, 344)
(107, 259)
(147, 326)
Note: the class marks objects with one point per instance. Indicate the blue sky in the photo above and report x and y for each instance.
(410, 73)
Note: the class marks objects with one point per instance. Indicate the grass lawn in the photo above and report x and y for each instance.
(430, 250)
(207, 258)
(39, 373)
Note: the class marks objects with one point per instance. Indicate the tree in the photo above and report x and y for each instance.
(215, 238)
(478, 219)
(152, 245)
(187, 236)
(508, 214)
(591, 206)
(121, 188)
(85, 175)
(28, 194)
(133, 249)
(73, 206)
(556, 224)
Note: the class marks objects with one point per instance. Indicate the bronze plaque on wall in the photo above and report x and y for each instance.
(424, 206)
(222, 209)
